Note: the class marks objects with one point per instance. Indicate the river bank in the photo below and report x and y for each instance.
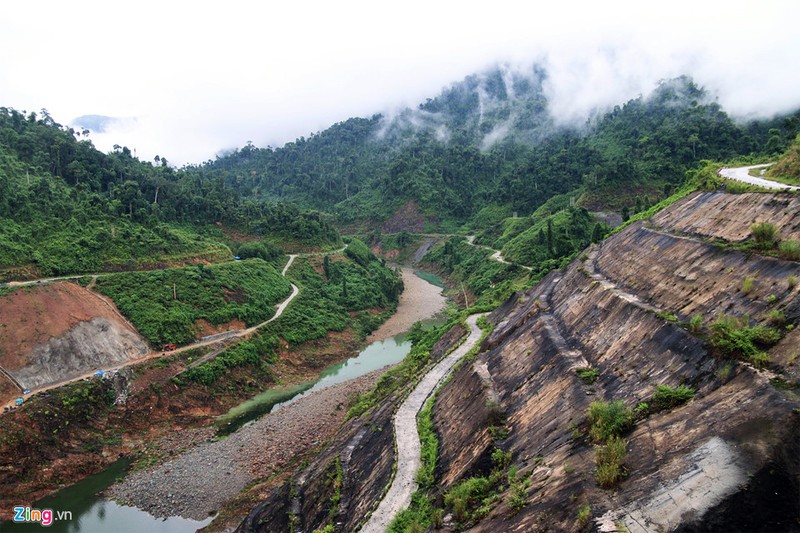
(420, 301)
(199, 482)
(204, 478)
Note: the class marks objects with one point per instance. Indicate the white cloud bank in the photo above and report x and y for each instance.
(201, 77)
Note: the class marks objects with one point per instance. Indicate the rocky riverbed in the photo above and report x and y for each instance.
(201, 480)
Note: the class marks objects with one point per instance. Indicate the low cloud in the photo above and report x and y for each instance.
(201, 79)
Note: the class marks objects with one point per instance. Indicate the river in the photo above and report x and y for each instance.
(421, 301)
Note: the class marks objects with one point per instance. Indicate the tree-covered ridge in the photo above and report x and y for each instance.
(490, 140)
(66, 207)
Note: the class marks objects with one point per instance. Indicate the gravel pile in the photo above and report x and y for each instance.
(201, 480)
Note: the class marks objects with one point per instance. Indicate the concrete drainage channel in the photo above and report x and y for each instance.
(404, 483)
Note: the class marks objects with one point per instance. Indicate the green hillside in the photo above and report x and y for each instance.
(490, 140)
(787, 169)
(67, 208)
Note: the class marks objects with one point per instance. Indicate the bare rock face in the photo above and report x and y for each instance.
(91, 345)
(725, 461)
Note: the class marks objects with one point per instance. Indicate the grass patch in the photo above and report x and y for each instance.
(609, 459)
(734, 337)
(587, 375)
(584, 515)
(764, 233)
(608, 419)
(789, 249)
(747, 285)
(667, 397)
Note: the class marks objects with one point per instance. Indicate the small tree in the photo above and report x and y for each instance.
(597, 232)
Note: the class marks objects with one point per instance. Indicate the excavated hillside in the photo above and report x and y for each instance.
(725, 461)
(60, 330)
(639, 311)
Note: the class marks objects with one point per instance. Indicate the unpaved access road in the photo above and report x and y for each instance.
(743, 174)
(497, 255)
(231, 335)
(404, 483)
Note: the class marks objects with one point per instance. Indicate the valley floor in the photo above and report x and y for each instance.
(419, 301)
(202, 480)
(210, 475)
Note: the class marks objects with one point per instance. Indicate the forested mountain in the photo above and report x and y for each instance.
(66, 207)
(490, 139)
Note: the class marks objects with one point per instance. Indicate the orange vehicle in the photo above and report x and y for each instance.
(168, 347)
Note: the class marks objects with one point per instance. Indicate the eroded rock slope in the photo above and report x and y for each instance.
(726, 460)
(639, 312)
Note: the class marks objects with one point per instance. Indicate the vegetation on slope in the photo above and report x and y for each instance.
(165, 305)
(482, 142)
(352, 295)
(788, 166)
(67, 208)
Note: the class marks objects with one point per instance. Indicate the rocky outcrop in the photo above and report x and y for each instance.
(729, 216)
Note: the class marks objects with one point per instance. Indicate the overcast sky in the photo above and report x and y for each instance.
(200, 77)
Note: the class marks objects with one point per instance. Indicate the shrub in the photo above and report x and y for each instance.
(437, 518)
(669, 316)
(466, 495)
(723, 373)
(609, 459)
(584, 515)
(764, 233)
(587, 375)
(608, 419)
(696, 323)
(747, 285)
(518, 497)
(495, 415)
(791, 281)
(734, 337)
(776, 317)
(667, 397)
(790, 250)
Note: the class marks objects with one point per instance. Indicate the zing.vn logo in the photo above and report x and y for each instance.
(43, 516)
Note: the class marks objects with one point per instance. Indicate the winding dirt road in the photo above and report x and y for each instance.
(743, 174)
(497, 255)
(233, 334)
(407, 437)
